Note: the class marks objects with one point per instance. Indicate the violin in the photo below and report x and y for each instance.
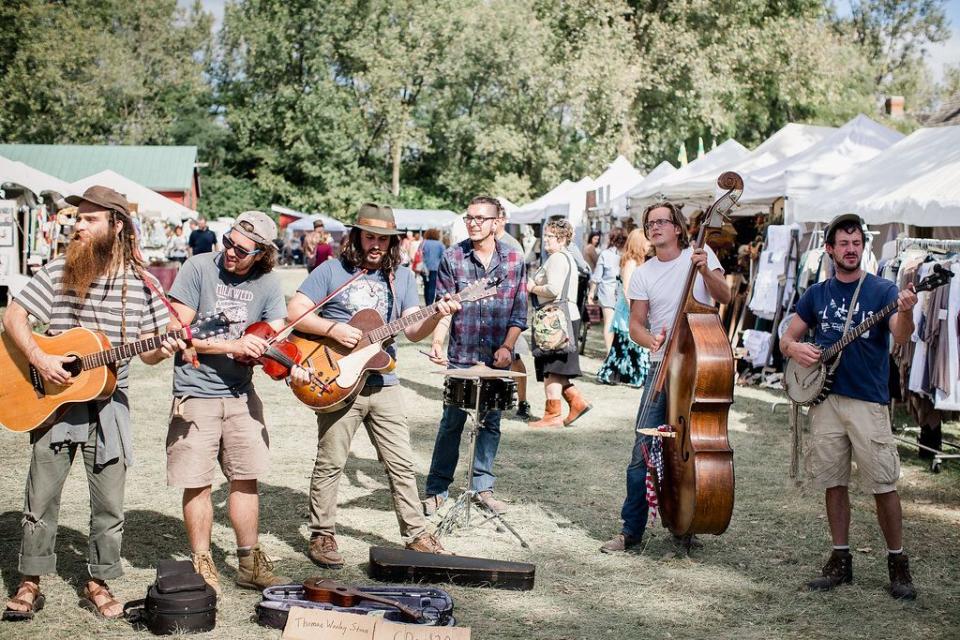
(278, 359)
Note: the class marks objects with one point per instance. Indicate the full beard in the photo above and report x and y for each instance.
(86, 261)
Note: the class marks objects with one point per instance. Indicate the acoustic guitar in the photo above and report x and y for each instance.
(27, 400)
(340, 372)
(809, 386)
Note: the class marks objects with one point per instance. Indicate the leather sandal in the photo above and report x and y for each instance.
(86, 602)
(13, 615)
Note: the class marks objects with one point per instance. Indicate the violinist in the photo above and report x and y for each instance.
(217, 417)
(655, 292)
(373, 244)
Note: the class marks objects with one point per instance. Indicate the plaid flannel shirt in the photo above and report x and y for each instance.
(479, 328)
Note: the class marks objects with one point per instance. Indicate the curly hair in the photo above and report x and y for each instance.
(352, 254)
(679, 221)
(562, 229)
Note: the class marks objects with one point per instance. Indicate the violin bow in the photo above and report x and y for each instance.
(287, 330)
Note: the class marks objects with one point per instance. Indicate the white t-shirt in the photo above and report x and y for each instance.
(662, 284)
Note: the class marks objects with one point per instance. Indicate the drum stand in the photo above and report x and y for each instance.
(459, 513)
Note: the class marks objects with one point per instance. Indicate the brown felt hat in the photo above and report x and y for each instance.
(102, 197)
(377, 219)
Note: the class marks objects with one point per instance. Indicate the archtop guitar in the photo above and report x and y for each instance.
(340, 372)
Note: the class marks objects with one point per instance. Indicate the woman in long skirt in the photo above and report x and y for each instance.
(627, 362)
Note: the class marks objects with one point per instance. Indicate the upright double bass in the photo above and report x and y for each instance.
(696, 491)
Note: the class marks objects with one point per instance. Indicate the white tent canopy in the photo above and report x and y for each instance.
(672, 186)
(849, 146)
(508, 206)
(621, 202)
(37, 181)
(915, 181)
(331, 225)
(149, 202)
(532, 212)
(422, 219)
(613, 184)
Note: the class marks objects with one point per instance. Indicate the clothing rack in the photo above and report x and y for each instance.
(925, 243)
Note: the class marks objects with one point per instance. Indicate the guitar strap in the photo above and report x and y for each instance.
(846, 325)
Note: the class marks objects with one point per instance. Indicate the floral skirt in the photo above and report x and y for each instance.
(627, 363)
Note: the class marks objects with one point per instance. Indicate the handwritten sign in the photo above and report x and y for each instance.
(320, 624)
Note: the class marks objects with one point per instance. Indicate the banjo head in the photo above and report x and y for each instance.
(804, 385)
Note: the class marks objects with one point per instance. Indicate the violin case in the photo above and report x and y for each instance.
(179, 601)
(435, 604)
(403, 565)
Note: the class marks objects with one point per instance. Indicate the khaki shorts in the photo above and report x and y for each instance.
(842, 426)
(205, 431)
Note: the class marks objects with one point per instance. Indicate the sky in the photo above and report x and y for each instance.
(938, 56)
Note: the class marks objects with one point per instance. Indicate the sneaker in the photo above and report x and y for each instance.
(837, 571)
(323, 551)
(523, 410)
(486, 499)
(620, 542)
(427, 543)
(203, 564)
(431, 504)
(256, 570)
(901, 584)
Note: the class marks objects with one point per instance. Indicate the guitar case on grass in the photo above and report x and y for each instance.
(179, 601)
(435, 604)
(403, 565)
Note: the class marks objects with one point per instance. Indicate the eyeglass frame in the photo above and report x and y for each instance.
(242, 253)
(478, 220)
(650, 224)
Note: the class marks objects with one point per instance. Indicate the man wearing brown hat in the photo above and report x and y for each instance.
(391, 290)
(217, 417)
(854, 420)
(98, 284)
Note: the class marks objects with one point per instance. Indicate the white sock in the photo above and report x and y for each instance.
(895, 552)
(841, 547)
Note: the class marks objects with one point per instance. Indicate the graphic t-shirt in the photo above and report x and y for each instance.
(864, 368)
(372, 291)
(203, 285)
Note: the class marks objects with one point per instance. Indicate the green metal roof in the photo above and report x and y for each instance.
(161, 168)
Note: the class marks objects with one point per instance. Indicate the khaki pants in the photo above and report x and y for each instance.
(842, 428)
(48, 471)
(380, 410)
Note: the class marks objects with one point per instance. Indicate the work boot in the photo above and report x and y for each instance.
(578, 406)
(323, 552)
(901, 584)
(203, 564)
(427, 543)
(837, 571)
(523, 410)
(620, 542)
(256, 570)
(431, 504)
(486, 499)
(551, 416)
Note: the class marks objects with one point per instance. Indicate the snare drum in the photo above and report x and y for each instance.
(496, 394)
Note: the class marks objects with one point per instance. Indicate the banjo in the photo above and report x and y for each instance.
(810, 385)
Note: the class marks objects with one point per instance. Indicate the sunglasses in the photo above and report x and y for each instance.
(240, 251)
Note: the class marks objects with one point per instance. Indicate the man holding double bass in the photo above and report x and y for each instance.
(390, 289)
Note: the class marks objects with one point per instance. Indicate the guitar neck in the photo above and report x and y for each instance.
(858, 331)
(127, 351)
(393, 328)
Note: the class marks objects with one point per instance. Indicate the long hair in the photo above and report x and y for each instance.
(352, 253)
(675, 216)
(635, 249)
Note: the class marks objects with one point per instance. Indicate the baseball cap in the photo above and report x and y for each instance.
(264, 228)
(844, 218)
(102, 197)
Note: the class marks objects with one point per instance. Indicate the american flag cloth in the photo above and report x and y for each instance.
(653, 456)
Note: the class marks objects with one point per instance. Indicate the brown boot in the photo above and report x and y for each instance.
(256, 570)
(578, 406)
(427, 543)
(901, 584)
(323, 551)
(551, 416)
(837, 571)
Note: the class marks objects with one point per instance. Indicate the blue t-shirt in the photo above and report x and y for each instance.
(371, 291)
(202, 241)
(864, 369)
(432, 252)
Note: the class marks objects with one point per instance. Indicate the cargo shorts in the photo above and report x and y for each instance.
(207, 432)
(842, 428)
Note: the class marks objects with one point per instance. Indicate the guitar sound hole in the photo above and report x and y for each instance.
(74, 367)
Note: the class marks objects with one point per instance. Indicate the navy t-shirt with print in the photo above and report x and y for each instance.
(864, 368)
(370, 291)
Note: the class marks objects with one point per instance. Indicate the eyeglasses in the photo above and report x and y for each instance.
(237, 249)
(657, 223)
(477, 220)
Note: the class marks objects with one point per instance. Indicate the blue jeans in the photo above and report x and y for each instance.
(634, 511)
(447, 450)
(429, 287)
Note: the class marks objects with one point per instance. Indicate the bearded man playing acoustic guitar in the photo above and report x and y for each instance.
(854, 418)
(98, 285)
(391, 290)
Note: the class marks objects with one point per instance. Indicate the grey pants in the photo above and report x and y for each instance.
(48, 471)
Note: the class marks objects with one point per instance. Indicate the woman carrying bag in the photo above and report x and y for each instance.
(556, 360)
